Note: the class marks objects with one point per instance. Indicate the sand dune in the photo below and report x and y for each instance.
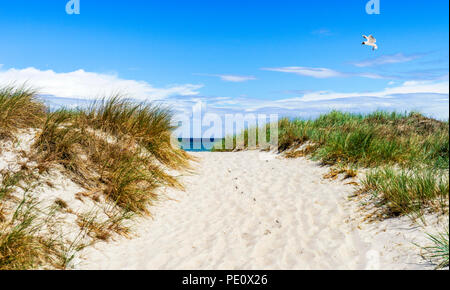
(252, 210)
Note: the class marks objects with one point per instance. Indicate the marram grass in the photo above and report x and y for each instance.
(115, 148)
(437, 252)
(406, 192)
(371, 140)
(19, 109)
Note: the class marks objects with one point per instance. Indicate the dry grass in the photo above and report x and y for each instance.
(19, 109)
(23, 245)
(347, 173)
(115, 147)
(306, 151)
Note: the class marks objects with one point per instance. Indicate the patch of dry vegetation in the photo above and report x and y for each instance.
(117, 148)
(24, 242)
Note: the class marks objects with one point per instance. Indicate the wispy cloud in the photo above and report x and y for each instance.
(91, 85)
(428, 97)
(230, 78)
(322, 31)
(388, 59)
(409, 87)
(322, 73)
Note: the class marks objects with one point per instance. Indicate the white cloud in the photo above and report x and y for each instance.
(308, 71)
(388, 59)
(409, 87)
(90, 85)
(231, 78)
(322, 73)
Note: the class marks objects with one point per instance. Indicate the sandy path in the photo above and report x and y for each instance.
(249, 210)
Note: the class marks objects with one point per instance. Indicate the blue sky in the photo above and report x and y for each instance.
(289, 57)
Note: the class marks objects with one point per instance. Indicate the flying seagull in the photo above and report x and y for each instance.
(370, 41)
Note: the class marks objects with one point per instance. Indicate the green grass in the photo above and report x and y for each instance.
(438, 252)
(376, 139)
(404, 192)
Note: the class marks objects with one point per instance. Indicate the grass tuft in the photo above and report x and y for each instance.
(438, 252)
(404, 192)
(19, 109)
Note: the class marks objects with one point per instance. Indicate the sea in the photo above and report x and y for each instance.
(198, 144)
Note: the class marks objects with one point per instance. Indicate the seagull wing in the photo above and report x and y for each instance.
(372, 39)
(366, 37)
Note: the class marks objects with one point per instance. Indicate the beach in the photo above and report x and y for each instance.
(257, 210)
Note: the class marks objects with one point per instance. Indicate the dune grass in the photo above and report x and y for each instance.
(22, 244)
(147, 125)
(115, 148)
(409, 192)
(376, 139)
(371, 140)
(437, 253)
(19, 109)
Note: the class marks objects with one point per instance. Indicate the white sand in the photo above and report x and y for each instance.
(251, 210)
(11, 151)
